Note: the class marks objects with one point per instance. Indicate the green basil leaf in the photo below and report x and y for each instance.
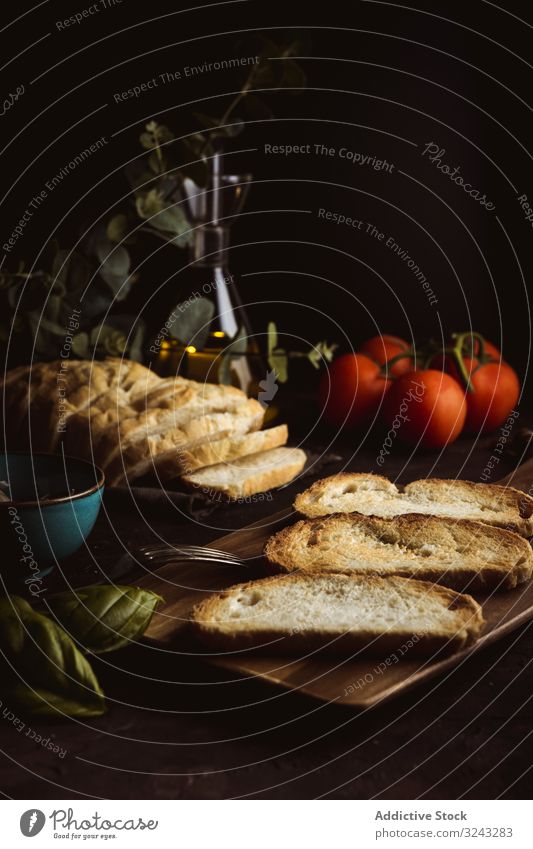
(40, 701)
(104, 618)
(44, 671)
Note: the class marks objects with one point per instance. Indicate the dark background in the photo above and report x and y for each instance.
(379, 77)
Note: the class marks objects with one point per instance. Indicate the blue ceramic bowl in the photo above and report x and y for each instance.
(55, 503)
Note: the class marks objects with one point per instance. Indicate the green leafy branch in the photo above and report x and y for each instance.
(278, 358)
(68, 297)
(99, 270)
(157, 179)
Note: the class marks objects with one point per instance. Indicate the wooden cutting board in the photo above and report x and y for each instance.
(361, 683)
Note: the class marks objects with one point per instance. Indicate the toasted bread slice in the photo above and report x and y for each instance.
(458, 554)
(339, 613)
(374, 495)
(249, 475)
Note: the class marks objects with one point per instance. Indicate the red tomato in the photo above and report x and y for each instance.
(351, 390)
(443, 362)
(496, 390)
(490, 349)
(448, 364)
(384, 348)
(426, 407)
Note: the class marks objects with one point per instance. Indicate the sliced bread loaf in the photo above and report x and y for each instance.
(248, 475)
(219, 450)
(459, 554)
(374, 495)
(167, 454)
(188, 420)
(339, 613)
(139, 450)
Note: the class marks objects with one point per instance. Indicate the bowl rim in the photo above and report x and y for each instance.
(63, 498)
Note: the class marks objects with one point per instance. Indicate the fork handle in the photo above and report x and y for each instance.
(196, 558)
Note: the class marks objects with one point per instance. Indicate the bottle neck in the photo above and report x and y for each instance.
(210, 246)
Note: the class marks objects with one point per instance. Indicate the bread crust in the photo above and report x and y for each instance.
(298, 547)
(515, 506)
(469, 622)
(79, 384)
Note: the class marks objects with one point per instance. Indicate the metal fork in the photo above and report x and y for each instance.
(157, 555)
(182, 553)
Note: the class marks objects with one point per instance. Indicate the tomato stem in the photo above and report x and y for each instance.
(386, 367)
(460, 340)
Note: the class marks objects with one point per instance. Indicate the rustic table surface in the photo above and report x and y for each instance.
(177, 728)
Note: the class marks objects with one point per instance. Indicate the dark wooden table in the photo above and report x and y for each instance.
(177, 729)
